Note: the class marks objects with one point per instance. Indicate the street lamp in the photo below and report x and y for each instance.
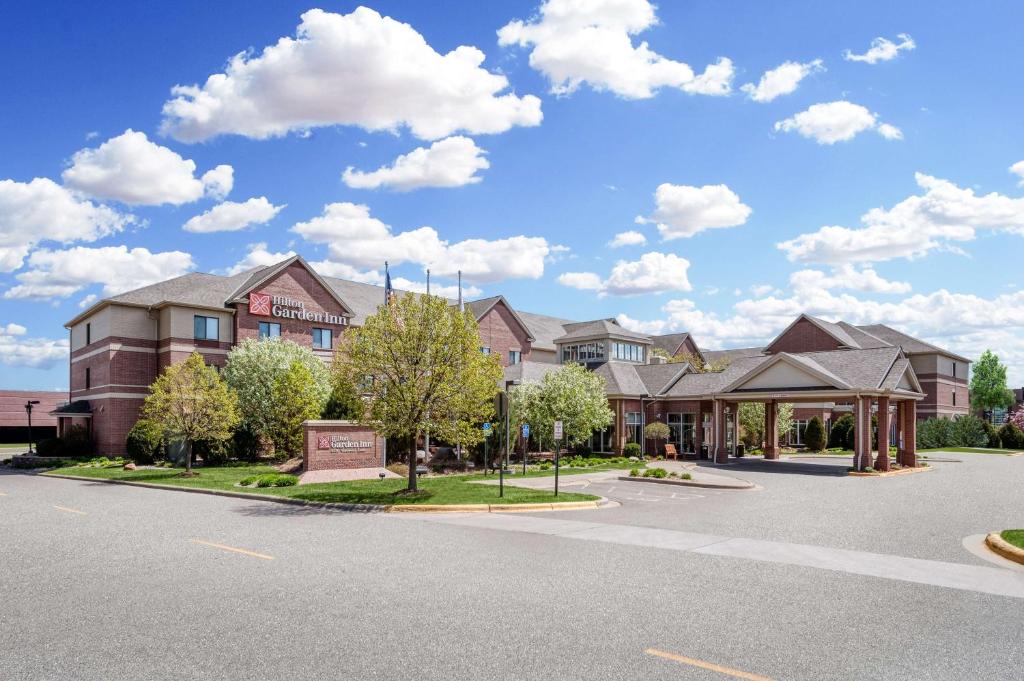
(28, 409)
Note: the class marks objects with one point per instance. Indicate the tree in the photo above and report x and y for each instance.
(345, 401)
(524, 406)
(752, 422)
(426, 372)
(576, 397)
(842, 432)
(657, 431)
(988, 384)
(254, 371)
(698, 364)
(296, 395)
(814, 435)
(190, 402)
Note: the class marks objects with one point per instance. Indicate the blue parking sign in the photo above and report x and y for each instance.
(526, 430)
(487, 428)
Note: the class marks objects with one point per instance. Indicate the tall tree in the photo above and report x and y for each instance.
(988, 383)
(752, 422)
(574, 396)
(296, 395)
(254, 371)
(189, 401)
(420, 360)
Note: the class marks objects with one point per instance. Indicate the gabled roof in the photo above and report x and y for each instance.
(803, 363)
(831, 328)
(481, 307)
(658, 378)
(671, 342)
(910, 345)
(901, 377)
(712, 356)
(263, 276)
(599, 328)
(621, 379)
(544, 329)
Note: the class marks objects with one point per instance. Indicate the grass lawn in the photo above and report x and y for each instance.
(439, 490)
(1015, 537)
(971, 450)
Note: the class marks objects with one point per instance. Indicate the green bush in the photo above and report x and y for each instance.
(583, 449)
(992, 435)
(245, 444)
(686, 476)
(814, 434)
(51, 446)
(841, 436)
(546, 465)
(634, 472)
(275, 480)
(212, 452)
(145, 442)
(245, 482)
(631, 449)
(655, 473)
(1011, 436)
(969, 431)
(935, 433)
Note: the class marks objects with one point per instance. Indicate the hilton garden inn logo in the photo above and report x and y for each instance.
(266, 305)
(341, 442)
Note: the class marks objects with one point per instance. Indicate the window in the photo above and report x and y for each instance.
(484, 350)
(630, 352)
(206, 328)
(634, 430)
(88, 378)
(515, 357)
(583, 352)
(954, 369)
(88, 333)
(321, 338)
(954, 395)
(270, 330)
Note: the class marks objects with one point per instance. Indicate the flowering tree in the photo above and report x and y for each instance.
(752, 421)
(190, 402)
(1016, 417)
(571, 395)
(255, 371)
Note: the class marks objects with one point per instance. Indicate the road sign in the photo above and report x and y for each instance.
(526, 430)
(558, 430)
(487, 429)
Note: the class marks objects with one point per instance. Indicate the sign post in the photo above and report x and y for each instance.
(526, 440)
(558, 449)
(487, 435)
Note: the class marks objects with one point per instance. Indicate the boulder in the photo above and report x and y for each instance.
(129, 466)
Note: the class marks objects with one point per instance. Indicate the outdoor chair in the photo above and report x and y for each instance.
(670, 451)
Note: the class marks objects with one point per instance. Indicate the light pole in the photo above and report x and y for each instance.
(28, 409)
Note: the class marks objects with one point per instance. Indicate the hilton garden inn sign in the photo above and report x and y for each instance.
(267, 305)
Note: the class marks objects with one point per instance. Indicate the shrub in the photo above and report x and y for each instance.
(657, 431)
(935, 433)
(655, 473)
(1011, 436)
(246, 443)
(841, 436)
(212, 452)
(631, 449)
(991, 435)
(77, 442)
(399, 468)
(51, 446)
(145, 442)
(969, 431)
(814, 434)
(546, 465)
(275, 480)
(245, 482)
(583, 449)
(634, 472)
(686, 476)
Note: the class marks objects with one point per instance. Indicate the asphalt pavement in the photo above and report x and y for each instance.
(114, 582)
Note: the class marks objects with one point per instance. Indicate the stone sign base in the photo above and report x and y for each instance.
(331, 445)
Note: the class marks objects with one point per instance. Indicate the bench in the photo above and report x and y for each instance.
(670, 451)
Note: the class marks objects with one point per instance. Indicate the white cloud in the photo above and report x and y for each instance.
(628, 238)
(231, 216)
(59, 274)
(87, 301)
(12, 329)
(258, 256)
(781, 80)
(354, 69)
(882, 49)
(42, 210)
(1018, 169)
(131, 169)
(842, 277)
(682, 211)
(761, 289)
(356, 238)
(451, 162)
(37, 353)
(944, 213)
(575, 42)
(329, 268)
(653, 273)
(833, 122)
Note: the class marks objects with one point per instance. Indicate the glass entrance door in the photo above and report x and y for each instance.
(688, 439)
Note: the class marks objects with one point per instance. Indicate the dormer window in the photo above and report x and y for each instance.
(628, 352)
(583, 352)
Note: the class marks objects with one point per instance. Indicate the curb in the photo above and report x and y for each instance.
(1004, 548)
(359, 508)
(688, 483)
(886, 474)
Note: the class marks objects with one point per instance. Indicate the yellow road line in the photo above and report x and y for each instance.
(232, 549)
(736, 673)
(70, 510)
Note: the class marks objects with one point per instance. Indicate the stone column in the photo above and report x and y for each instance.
(882, 460)
(771, 430)
(620, 429)
(862, 433)
(900, 431)
(910, 434)
(719, 426)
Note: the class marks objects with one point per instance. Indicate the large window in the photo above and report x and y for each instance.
(515, 357)
(796, 432)
(634, 428)
(603, 441)
(484, 350)
(583, 352)
(88, 378)
(206, 328)
(270, 330)
(322, 339)
(630, 352)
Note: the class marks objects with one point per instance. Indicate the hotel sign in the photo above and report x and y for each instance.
(267, 305)
(335, 441)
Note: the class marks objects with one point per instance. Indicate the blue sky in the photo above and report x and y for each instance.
(576, 140)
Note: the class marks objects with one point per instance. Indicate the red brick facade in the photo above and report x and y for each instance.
(804, 336)
(501, 332)
(340, 444)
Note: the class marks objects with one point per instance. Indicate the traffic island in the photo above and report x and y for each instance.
(906, 470)
(1009, 544)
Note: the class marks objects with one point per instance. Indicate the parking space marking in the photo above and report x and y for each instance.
(70, 510)
(233, 549)
(711, 666)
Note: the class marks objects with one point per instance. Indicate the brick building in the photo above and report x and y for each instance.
(119, 345)
(14, 417)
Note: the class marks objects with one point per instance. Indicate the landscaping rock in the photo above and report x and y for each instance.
(129, 466)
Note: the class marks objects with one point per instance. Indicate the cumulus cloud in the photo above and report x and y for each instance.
(1018, 169)
(330, 268)
(682, 211)
(59, 274)
(451, 162)
(358, 69)
(573, 43)
(17, 350)
(131, 169)
(839, 121)
(782, 80)
(356, 238)
(628, 238)
(42, 210)
(231, 216)
(842, 277)
(882, 49)
(258, 255)
(944, 213)
(653, 273)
